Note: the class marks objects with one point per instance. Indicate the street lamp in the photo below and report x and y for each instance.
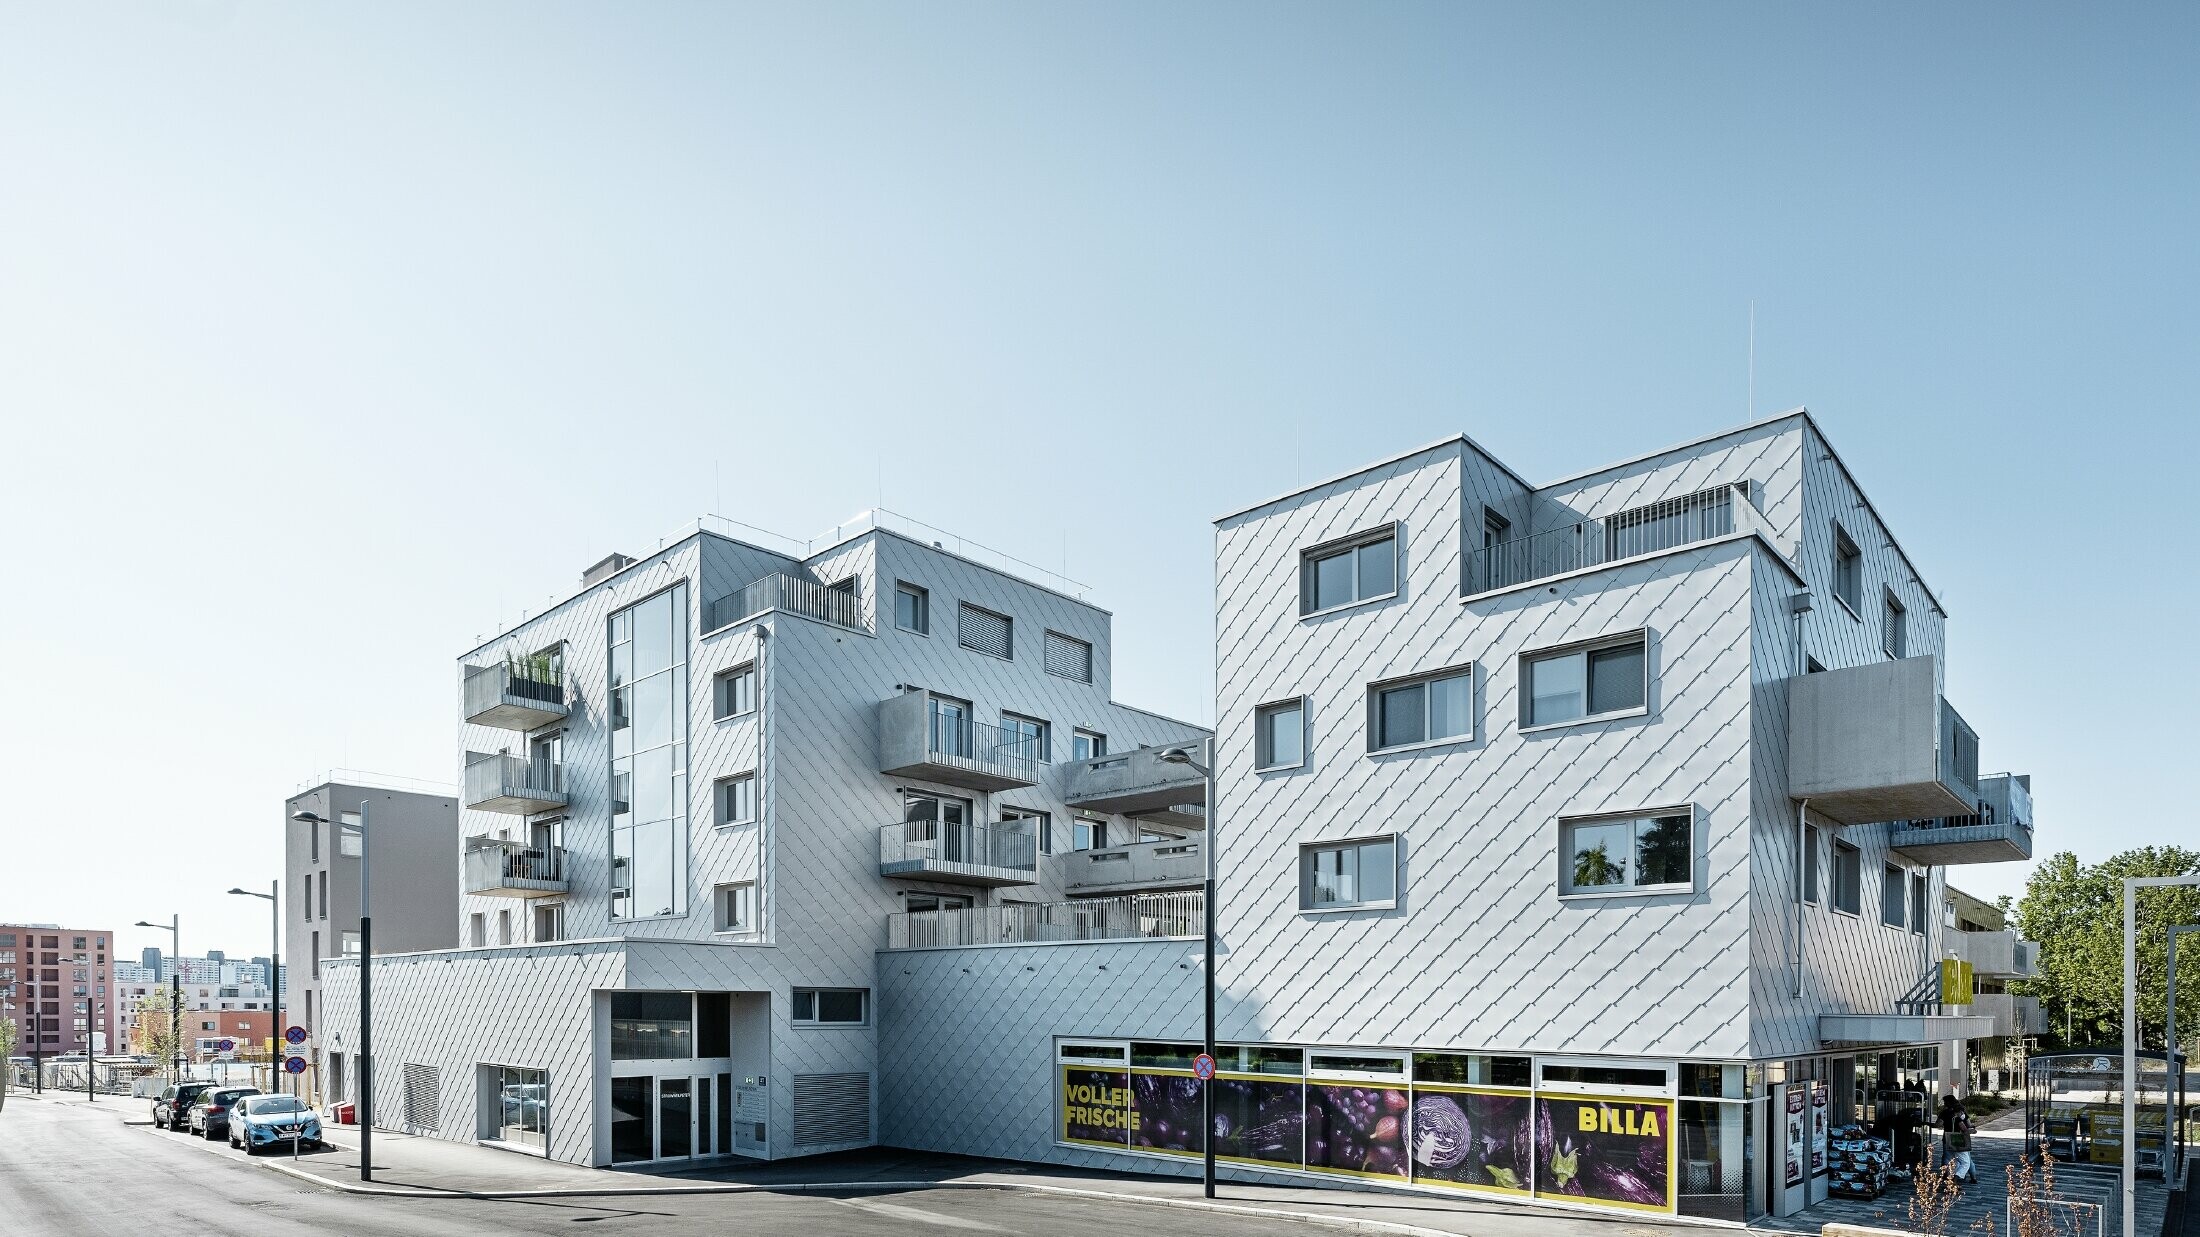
(366, 989)
(175, 986)
(1183, 756)
(274, 976)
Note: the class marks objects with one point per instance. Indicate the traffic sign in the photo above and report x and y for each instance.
(227, 1045)
(295, 1065)
(296, 1035)
(1203, 1067)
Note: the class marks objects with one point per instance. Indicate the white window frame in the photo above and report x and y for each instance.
(723, 681)
(1637, 816)
(1335, 1073)
(1096, 742)
(719, 817)
(1042, 738)
(1584, 649)
(1260, 711)
(1845, 552)
(1088, 824)
(1308, 849)
(1568, 1087)
(795, 1000)
(744, 895)
(1374, 710)
(923, 598)
(1351, 544)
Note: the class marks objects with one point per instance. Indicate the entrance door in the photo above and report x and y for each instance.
(630, 1113)
(675, 1118)
(705, 1129)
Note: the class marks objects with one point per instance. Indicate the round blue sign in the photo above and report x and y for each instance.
(227, 1045)
(296, 1035)
(295, 1065)
(1203, 1067)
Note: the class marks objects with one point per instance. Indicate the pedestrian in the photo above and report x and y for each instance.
(1951, 1111)
(1958, 1141)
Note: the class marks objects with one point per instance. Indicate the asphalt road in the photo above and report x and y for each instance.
(76, 1170)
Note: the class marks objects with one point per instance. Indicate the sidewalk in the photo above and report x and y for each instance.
(410, 1165)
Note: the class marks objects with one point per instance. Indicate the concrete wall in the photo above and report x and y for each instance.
(413, 842)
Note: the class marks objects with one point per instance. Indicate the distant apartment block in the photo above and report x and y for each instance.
(56, 986)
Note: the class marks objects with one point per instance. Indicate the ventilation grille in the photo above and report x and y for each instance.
(1068, 657)
(982, 631)
(421, 1090)
(832, 1108)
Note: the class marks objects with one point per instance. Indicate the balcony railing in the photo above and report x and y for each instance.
(506, 783)
(917, 741)
(1145, 916)
(500, 869)
(509, 697)
(1006, 853)
(1119, 869)
(1137, 783)
(1593, 542)
(827, 603)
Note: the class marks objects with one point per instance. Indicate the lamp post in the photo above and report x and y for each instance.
(175, 987)
(274, 977)
(366, 989)
(1183, 756)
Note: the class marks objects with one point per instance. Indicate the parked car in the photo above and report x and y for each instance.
(210, 1112)
(174, 1102)
(258, 1121)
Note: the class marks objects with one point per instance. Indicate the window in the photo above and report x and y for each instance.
(912, 608)
(832, 1007)
(348, 942)
(1088, 834)
(652, 1026)
(477, 929)
(736, 906)
(982, 631)
(1087, 744)
(734, 691)
(1279, 735)
(1606, 854)
(313, 843)
(504, 926)
(1921, 892)
(351, 835)
(1348, 875)
(1893, 639)
(1041, 825)
(1067, 657)
(736, 797)
(1431, 708)
(1027, 737)
(1362, 567)
(950, 726)
(309, 897)
(324, 896)
(922, 902)
(1848, 571)
(550, 922)
(927, 817)
(1602, 678)
(1848, 878)
(1892, 909)
(1810, 864)
(1495, 528)
(648, 686)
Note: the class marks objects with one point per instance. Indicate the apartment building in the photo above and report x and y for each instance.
(1980, 937)
(56, 986)
(411, 831)
(1582, 841)
(704, 793)
(202, 1003)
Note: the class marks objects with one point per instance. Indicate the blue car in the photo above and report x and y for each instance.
(258, 1121)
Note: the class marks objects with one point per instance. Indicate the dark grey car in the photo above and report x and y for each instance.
(172, 1106)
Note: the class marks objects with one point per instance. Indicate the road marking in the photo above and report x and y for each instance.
(913, 1215)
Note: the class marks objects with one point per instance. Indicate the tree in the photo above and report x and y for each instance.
(152, 1033)
(7, 1051)
(2076, 913)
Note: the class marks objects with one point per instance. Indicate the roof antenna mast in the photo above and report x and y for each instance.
(1752, 361)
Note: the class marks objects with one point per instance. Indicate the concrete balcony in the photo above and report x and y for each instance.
(1877, 742)
(1141, 916)
(2000, 831)
(500, 869)
(1995, 955)
(513, 696)
(506, 783)
(966, 753)
(2011, 1014)
(998, 854)
(1138, 783)
(1174, 864)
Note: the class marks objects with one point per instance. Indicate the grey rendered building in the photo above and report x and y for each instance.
(704, 794)
(1582, 841)
(414, 831)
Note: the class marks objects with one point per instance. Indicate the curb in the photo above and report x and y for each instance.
(843, 1187)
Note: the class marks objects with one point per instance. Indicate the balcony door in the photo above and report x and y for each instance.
(941, 821)
(950, 726)
(544, 754)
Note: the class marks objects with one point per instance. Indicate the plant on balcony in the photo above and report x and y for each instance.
(535, 668)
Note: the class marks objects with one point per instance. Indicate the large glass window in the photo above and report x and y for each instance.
(1342, 573)
(1606, 678)
(1848, 878)
(649, 842)
(1428, 709)
(652, 1026)
(523, 1105)
(1616, 854)
(1279, 735)
(631, 1104)
(1344, 875)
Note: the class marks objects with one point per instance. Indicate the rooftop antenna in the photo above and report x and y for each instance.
(1752, 360)
(717, 496)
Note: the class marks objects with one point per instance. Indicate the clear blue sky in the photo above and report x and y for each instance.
(332, 336)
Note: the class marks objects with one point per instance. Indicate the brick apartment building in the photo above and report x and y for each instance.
(55, 984)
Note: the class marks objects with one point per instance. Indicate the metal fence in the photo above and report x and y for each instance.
(974, 740)
(67, 1075)
(827, 603)
(1149, 916)
(1009, 844)
(1592, 542)
(495, 775)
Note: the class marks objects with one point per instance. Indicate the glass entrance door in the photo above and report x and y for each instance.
(675, 1118)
